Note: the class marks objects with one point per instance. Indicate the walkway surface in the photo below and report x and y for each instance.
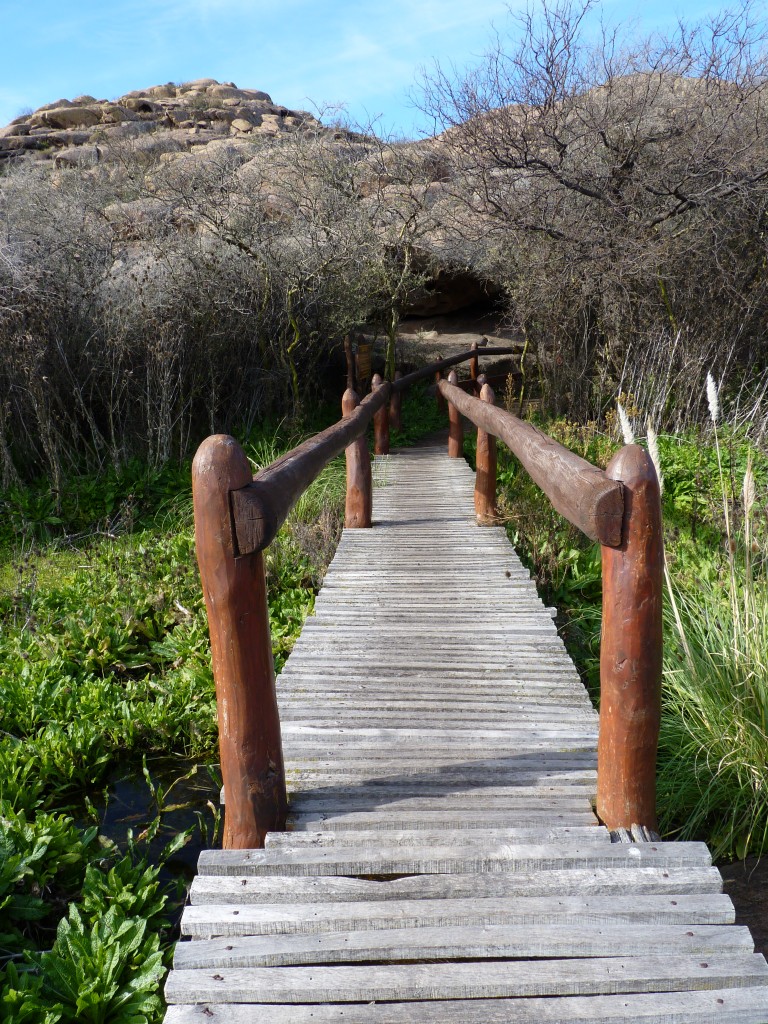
(444, 864)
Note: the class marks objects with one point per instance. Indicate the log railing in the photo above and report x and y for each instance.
(620, 507)
(237, 515)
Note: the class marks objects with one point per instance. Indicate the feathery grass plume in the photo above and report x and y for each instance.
(714, 412)
(748, 489)
(626, 426)
(748, 497)
(712, 399)
(653, 451)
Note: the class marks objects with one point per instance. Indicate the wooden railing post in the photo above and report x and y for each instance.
(631, 650)
(358, 510)
(485, 475)
(236, 599)
(455, 426)
(380, 422)
(395, 406)
(474, 363)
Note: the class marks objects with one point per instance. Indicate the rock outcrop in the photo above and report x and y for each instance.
(170, 135)
(193, 114)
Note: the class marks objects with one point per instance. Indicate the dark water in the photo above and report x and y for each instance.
(184, 795)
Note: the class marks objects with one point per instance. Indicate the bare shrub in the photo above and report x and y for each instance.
(619, 191)
(145, 302)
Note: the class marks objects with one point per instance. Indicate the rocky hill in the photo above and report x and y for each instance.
(166, 119)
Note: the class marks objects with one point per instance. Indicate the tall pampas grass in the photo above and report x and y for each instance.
(713, 774)
(713, 401)
(626, 427)
(653, 451)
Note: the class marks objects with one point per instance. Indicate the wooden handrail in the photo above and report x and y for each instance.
(427, 372)
(238, 515)
(578, 490)
(621, 508)
(261, 507)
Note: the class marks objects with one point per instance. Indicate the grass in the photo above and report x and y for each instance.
(105, 662)
(104, 670)
(713, 753)
(713, 778)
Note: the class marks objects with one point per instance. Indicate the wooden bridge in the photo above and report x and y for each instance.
(443, 861)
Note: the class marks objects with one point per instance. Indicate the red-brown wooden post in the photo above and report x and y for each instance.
(358, 510)
(455, 426)
(485, 475)
(474, 363)
(631, 650)
(380, 422)
(395, 406)
(236, 599)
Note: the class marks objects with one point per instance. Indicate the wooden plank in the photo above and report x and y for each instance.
(316, 801)
(716, 1006)
(206, 921)
(518, 979)
(425, 837)
(452, 774)
(568, 882)
(448, 820)
(444, 860)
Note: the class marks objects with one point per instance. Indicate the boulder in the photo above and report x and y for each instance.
(18, 143)
(241, 125)
(66, 117)
(221, 114)
(226, 92)
(77, 156)
(14, 129)
(200, 83)
(140, 105)
(160, 91)
(83, 101)
(271, 124)
(69, 138)
(57, 104)
(256, 94)
(111, 113)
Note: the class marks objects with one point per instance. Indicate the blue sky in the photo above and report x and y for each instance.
(363, 54)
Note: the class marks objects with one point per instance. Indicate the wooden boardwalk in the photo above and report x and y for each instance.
(444, 863)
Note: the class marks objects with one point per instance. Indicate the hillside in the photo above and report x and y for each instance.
(163, 119)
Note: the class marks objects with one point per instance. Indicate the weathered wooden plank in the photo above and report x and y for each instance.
(601, 881)
(425, 837)
(716, 1006)
(550, 943)
(388, 820)
(555, 978)
(443, 860)
(489, 735)
(381, 775)
(207, 921)
(317, 801)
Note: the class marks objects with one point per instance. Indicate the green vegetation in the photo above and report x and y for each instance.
(713, 777)
(105, 667)
(104, 661)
